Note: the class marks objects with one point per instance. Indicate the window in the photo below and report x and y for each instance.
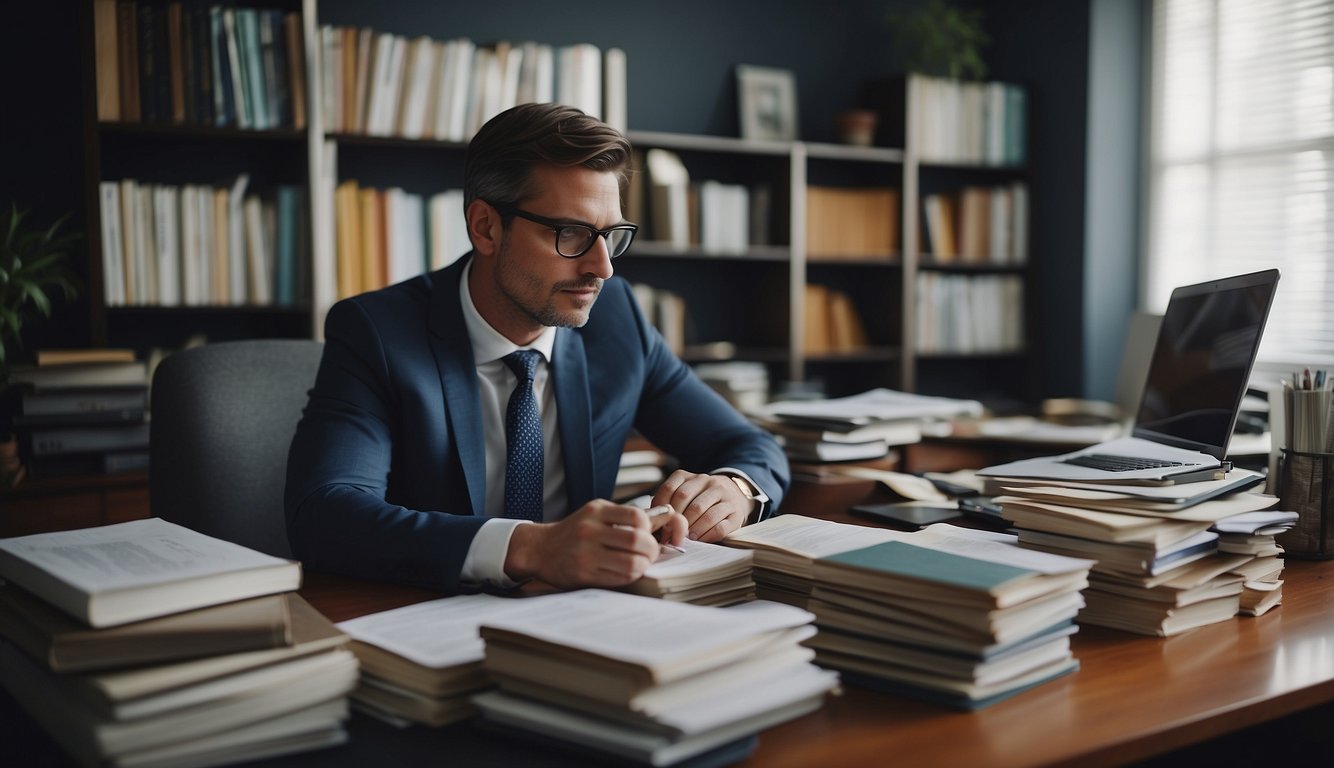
(1241, 159)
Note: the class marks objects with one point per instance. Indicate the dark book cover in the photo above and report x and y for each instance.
(127, 26)
(154, 79)
(224, 98)
(280, 91)
(201, 53)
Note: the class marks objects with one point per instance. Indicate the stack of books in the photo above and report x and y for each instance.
(858, 427)
(422, 663)
(958, 617)
(786, 547)
(1254, 534)
(82, 412)
(1160, 569)
(699, 573)
(649, 681)
(148, 644)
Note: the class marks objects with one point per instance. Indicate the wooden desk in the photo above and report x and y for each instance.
(1134, 697)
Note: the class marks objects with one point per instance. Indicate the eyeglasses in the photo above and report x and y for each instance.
(574, 240)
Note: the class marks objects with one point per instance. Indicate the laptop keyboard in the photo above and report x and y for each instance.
(1112, 463)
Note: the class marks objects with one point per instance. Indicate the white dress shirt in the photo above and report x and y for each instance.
(485, 563)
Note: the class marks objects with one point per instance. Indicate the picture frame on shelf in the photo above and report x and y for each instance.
(766, 103)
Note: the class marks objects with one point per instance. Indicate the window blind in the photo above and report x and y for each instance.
(1241, 159)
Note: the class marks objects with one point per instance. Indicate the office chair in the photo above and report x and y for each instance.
(223, 416)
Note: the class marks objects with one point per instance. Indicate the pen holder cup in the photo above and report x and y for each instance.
(1306, 486)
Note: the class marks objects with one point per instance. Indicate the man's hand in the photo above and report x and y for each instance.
(712, 504)
(601, 545)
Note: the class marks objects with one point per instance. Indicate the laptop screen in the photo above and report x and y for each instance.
(1201, 364)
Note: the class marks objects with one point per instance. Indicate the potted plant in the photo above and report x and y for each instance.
(33, 267)
(937, 38)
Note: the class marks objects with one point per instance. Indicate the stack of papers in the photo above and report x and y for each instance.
(1160, 567)
(1253, 534)
(149, 644)
(703, 574)
(786, 547)
(859, 427)
(422, 663)
(647, 680)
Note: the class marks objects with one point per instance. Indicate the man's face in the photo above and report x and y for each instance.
(529, 285)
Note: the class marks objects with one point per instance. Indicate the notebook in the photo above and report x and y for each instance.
(1197, 376)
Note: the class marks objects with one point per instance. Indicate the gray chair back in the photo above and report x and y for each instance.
(222, 419)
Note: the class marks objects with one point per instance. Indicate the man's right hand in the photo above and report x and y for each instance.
(601, 545)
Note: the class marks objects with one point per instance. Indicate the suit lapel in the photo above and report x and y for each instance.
(570, 376)
(458, 379)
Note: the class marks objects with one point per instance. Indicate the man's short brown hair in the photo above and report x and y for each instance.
(500, 158)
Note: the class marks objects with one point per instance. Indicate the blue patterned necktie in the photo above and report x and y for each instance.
(523, 441)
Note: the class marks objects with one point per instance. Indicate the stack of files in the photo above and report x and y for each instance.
(1253, 534)
(699, 573)
(861, 426)
(422, 663)
(1159, 567)
(649, 681)
(958, 617)
(786, 547)
(83, 412)
(148, 644)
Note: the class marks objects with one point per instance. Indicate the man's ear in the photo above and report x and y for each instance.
(485, 227)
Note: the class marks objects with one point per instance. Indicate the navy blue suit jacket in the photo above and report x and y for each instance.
(385, 477)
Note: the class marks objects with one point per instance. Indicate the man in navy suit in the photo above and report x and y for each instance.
(398, 470)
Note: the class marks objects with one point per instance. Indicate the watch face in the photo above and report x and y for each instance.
(746, 490)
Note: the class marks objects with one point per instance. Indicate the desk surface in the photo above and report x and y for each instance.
(1133, 697)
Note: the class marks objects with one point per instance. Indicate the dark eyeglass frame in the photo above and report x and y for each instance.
(557, 225)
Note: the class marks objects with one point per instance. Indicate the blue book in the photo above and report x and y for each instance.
(927, 574)
(252, 65)
(285, 260)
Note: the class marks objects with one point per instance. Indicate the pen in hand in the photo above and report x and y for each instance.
(659, 511)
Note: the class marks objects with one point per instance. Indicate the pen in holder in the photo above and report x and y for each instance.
(1306, 487)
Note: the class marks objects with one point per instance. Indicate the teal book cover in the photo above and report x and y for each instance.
(899, 559)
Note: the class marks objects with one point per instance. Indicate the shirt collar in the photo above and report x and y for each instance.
(488, 344)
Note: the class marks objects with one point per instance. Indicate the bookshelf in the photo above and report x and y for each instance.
(750, 304)
(158, 271)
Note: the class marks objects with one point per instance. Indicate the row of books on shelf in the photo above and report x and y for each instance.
(831, 324)
(385, 236)
(686, 213)
(381, 84)
(969, 314)
(979, 123)
(665, 310)
(198, 245)
(82, 412)
(186, 64)
(978, 225)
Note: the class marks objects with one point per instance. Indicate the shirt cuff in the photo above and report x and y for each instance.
(485, 563)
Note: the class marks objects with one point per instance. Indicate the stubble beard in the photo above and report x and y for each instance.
(518, 286)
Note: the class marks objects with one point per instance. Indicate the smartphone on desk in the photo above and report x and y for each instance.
(983, 510)
(909, 514)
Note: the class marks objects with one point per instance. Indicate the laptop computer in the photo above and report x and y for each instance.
(1197, 376)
